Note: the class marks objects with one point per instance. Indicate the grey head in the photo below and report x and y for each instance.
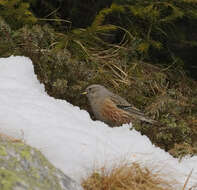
(96, 94)
(95, 91)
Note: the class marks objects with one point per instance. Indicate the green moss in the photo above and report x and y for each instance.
(25, 154)
(8, 179)
(25, 167)
(3, 151)
(35, 173)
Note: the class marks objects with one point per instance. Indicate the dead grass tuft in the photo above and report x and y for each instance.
(126, 177)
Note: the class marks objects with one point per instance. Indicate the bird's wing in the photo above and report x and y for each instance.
(126, 106)
(112, 115)
(115, 103)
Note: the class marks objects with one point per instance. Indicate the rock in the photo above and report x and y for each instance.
(23, 168)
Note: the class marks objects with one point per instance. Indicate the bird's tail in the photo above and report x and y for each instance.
(151, 121)
(147, 120)
(141, 116)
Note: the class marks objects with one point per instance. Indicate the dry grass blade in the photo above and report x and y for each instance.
(56, 20)
(160, 104)
(120, 76)
(82, 47)
(187, 180)
(118, 68)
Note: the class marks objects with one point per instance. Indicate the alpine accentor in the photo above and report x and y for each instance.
(111, 108)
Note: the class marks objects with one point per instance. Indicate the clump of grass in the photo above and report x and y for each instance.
(126, 177)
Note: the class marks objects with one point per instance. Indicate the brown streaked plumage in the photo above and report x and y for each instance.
(111, 108)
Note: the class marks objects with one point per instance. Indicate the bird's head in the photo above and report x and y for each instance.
(95, 91)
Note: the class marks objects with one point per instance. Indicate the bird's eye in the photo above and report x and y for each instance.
(92, 90)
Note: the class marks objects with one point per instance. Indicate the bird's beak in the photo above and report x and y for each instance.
(84, 93)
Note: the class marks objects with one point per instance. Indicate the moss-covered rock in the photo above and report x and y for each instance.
(25, 168)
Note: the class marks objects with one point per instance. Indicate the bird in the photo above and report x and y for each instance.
(111, 108)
